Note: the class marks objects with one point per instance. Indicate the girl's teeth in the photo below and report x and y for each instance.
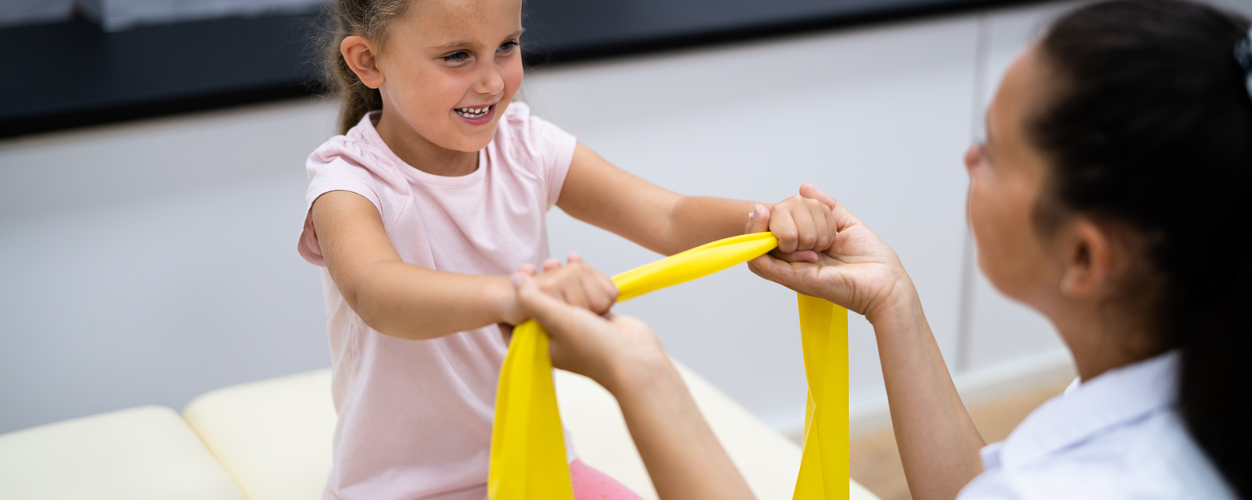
(473, 112)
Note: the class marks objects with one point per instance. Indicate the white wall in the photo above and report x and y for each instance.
(146, 263)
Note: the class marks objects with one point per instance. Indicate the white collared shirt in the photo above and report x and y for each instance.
(1117, 436)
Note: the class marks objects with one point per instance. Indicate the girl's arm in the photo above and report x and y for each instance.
(666, 222)
(413, 302)
(937, 440)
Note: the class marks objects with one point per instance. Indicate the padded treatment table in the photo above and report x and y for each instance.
(271, 440)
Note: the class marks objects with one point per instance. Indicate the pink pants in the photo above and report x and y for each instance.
(591, 484)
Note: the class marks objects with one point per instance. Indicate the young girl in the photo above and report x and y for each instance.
(435, 193)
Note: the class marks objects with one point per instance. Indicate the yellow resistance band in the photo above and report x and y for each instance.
(528, 458)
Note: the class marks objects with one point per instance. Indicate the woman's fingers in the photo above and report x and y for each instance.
(778, 271)
(557, 316)
(843, 218)
(811, 192)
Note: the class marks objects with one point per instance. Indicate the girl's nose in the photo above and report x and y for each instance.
(491, 82)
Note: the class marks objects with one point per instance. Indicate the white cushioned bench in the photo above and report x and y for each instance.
(271, 440)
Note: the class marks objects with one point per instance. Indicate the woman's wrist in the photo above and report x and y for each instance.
(897, 304)
(636, 369)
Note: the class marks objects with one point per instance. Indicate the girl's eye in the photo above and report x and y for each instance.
(507, 46)
(456, 56)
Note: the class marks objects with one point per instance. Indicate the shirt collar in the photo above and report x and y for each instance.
(1115, 398)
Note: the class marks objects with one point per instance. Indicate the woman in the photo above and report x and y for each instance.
(1109, 197)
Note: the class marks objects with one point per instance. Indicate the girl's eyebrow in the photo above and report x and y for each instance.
(467, 43)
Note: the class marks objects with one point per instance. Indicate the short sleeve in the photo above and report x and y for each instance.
(545, 149)
(324, 177)
(559, 148)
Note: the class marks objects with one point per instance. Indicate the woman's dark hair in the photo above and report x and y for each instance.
(1149, 125)
(366, 18)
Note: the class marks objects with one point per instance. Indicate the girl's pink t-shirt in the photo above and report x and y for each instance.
(415, 415)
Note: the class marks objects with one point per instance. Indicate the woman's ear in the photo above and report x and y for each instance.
(1091, 253)
(361, 56)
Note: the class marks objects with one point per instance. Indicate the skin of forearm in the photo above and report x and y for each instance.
(410, 302)
(696, 220)
(937, 440)
(680, 451)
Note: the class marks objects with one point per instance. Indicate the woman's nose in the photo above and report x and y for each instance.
(973, 155)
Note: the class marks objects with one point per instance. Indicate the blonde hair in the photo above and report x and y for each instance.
(366, 18)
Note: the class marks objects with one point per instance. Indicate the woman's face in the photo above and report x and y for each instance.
(451, 67)
(1006, 174)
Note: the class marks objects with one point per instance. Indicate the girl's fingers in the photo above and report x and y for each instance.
(574, 258)
(528, 269)
(806, 228)
(609, 287)
(784, 227)
(599, 298)
(758, 220)
(576, 295)
(824, 221)
(550, 264)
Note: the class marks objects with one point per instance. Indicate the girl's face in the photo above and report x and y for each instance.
(1006, 175)
(450, 68)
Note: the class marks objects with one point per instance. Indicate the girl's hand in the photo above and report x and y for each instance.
(575, 283)
(857, 270)
(583, 342)
(804, 227)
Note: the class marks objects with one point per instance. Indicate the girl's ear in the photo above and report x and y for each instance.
(361, 56)
(1090, 254)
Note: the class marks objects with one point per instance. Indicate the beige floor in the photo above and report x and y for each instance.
(875, 461)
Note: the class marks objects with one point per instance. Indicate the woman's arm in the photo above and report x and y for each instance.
(666, 222)
(937, 440)
(682, 455)
(413, 302)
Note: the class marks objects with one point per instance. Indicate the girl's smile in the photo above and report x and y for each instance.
(476, 116)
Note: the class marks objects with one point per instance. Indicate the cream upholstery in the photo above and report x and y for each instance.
(135, 454)
(274, 436)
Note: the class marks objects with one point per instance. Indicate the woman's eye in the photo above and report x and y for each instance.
(456, 57)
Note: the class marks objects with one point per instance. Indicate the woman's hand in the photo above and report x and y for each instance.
(856, 270)
(575, 283)
(586, 343)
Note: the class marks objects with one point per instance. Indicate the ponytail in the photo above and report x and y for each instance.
(1150, 125)
(367, 18)
(1215, 381)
